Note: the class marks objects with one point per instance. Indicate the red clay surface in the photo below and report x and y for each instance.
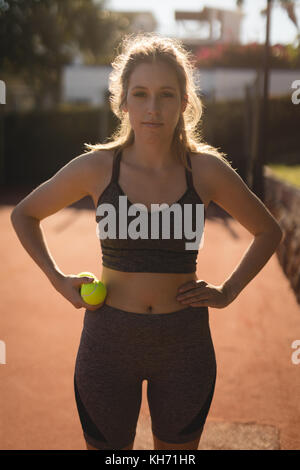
(257, 381)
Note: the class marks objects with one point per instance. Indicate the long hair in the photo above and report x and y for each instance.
(140, 48)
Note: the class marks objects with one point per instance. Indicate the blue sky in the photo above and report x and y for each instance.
(253, 25)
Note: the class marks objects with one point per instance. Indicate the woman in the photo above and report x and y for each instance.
(154, 322)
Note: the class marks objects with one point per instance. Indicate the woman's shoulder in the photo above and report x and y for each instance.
(209, 169)
(209, 162)
(98, 162)
(97, 169)
(202, 162)
(99, 156)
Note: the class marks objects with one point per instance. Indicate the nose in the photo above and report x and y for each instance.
(153, 105)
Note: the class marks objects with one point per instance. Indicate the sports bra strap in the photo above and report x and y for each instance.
(116, 165)
(189, 177)
(116, 168)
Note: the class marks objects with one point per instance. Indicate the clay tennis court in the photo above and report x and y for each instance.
(256, 403)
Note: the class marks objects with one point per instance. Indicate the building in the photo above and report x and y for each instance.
(211, 26)
(89, 84)
(140, 21)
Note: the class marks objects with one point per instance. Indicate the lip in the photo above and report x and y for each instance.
(153, 123)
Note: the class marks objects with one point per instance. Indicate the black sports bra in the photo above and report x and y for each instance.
(128, 250)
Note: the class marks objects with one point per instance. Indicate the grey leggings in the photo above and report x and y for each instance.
(119, 349)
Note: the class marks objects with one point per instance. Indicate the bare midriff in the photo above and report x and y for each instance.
(144, 292)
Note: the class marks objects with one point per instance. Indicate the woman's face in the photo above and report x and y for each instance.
(154, 96)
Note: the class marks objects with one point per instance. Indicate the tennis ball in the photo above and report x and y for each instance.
(93, 293)
(87, 274)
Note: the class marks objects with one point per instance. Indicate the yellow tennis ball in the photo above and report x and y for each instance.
(93, 293)
(87, 274)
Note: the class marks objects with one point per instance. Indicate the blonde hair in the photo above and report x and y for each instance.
(139, 48)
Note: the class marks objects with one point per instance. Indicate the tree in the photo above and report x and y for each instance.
(246, 55)
(287, 5)
(39, 37)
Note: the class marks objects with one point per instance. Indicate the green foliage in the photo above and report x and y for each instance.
(289, 173)
(39, 37)
(247, 56)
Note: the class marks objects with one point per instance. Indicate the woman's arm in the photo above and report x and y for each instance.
(231, 193)
(228, 190)
(69, 184)
(254, 259)
(31, 236)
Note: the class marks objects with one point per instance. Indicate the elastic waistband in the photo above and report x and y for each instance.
(153, 316)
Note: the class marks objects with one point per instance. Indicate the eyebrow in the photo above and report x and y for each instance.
(139, 86)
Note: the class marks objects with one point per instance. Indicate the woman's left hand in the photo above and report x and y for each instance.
(202, 294)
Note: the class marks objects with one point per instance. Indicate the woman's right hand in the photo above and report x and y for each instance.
(69, 287)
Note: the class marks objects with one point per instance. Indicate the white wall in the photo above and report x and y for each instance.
(86, 83)
(281, 82)
(89, 83)
(230, 83)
